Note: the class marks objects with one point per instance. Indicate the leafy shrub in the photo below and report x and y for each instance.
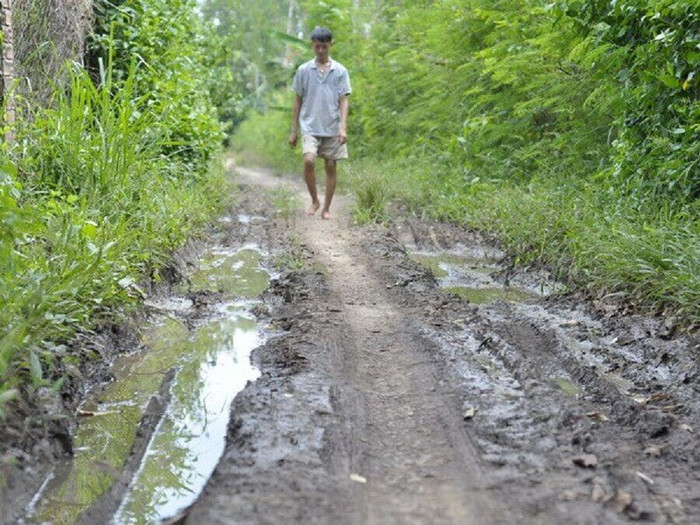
(101, 185)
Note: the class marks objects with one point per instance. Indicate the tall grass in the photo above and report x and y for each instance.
(615, 250)
(92, 205)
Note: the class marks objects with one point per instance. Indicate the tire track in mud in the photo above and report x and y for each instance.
(447, 412)
(406, 441)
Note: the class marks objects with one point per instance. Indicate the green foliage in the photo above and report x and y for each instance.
(251, 59)
(655, 46)
(167, 41)
(569, 129)
(101, 185)
(372, 195)
(263, 137)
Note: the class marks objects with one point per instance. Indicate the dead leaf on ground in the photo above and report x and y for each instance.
(653, 451)
(469, 413)
(570, 322)
(585, 461)
(645, 478)
(598, 493)
(687, 428)
(357, 478)
(671, 408)
(622, 501)
(598, 416)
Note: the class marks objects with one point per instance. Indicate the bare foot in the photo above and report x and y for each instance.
(311, 210)
(327, 215)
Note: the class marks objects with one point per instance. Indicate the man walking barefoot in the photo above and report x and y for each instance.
(322, 86)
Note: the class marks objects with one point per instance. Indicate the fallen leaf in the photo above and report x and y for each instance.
(645, 478)
(568, 495)
(671, 408)
(642, 400)
(469, 413)
(653, 451)
(598, 493)
(687, 428)
(598, 416)
(659, 397)
(622, 501)
(585, 461)
(570, 322)
(357, 478)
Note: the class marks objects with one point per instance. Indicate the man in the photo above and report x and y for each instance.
(322, 86)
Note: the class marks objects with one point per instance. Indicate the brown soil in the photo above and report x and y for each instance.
(386, 400)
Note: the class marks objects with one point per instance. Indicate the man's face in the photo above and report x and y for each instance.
(321, 49)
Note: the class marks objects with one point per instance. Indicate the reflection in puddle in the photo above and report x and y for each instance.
(108, 430)
(212, 365)
(471, 278)
(236, 272)
(190, 439)
(250, 219)
(489, 295)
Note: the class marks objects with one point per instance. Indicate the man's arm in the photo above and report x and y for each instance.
(343, 135)
(295, 121)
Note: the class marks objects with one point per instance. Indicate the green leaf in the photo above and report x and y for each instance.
(669, 80)
(9, 395)
(289, 39)
(35, 371)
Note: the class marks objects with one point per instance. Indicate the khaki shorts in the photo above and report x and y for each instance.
(325, 147)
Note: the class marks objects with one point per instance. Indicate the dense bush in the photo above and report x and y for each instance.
(102, 184)
(568, 128)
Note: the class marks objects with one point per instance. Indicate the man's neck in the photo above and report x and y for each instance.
(321, 62)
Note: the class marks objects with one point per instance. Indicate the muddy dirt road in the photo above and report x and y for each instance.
(415, 379)
(370, 375)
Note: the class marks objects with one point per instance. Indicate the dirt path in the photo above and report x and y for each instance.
(384, 400)
(401, 434)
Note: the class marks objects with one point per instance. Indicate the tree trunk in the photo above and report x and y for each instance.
(7, 66)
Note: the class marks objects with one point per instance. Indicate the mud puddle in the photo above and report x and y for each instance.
(472, 277)
(194, 364)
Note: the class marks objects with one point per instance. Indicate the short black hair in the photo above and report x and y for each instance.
(321, 34)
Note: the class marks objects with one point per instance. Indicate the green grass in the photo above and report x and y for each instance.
(600, 243)
(372, 194)
(90, 208)
(263, 139)
(285, 201)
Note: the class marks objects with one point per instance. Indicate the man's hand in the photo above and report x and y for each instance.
(343, 136)
(293, 139)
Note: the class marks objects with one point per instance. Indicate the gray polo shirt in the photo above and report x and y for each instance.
(320, 108)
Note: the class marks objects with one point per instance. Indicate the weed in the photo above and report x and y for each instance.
(293, 258)
(372, 194)
(285, 200)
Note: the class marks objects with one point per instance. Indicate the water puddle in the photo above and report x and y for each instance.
(250, 219)
(189, 440)
(211, 364)
(234, 272)
(108, 427)
(471, 277)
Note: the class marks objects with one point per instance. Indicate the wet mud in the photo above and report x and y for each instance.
(406, 374)
(552, 409)
(146, 441)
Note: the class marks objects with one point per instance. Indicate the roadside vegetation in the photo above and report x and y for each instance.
(569, 131)
(109, 172)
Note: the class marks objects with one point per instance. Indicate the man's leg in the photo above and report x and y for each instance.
(330, 188)
(310, 176)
